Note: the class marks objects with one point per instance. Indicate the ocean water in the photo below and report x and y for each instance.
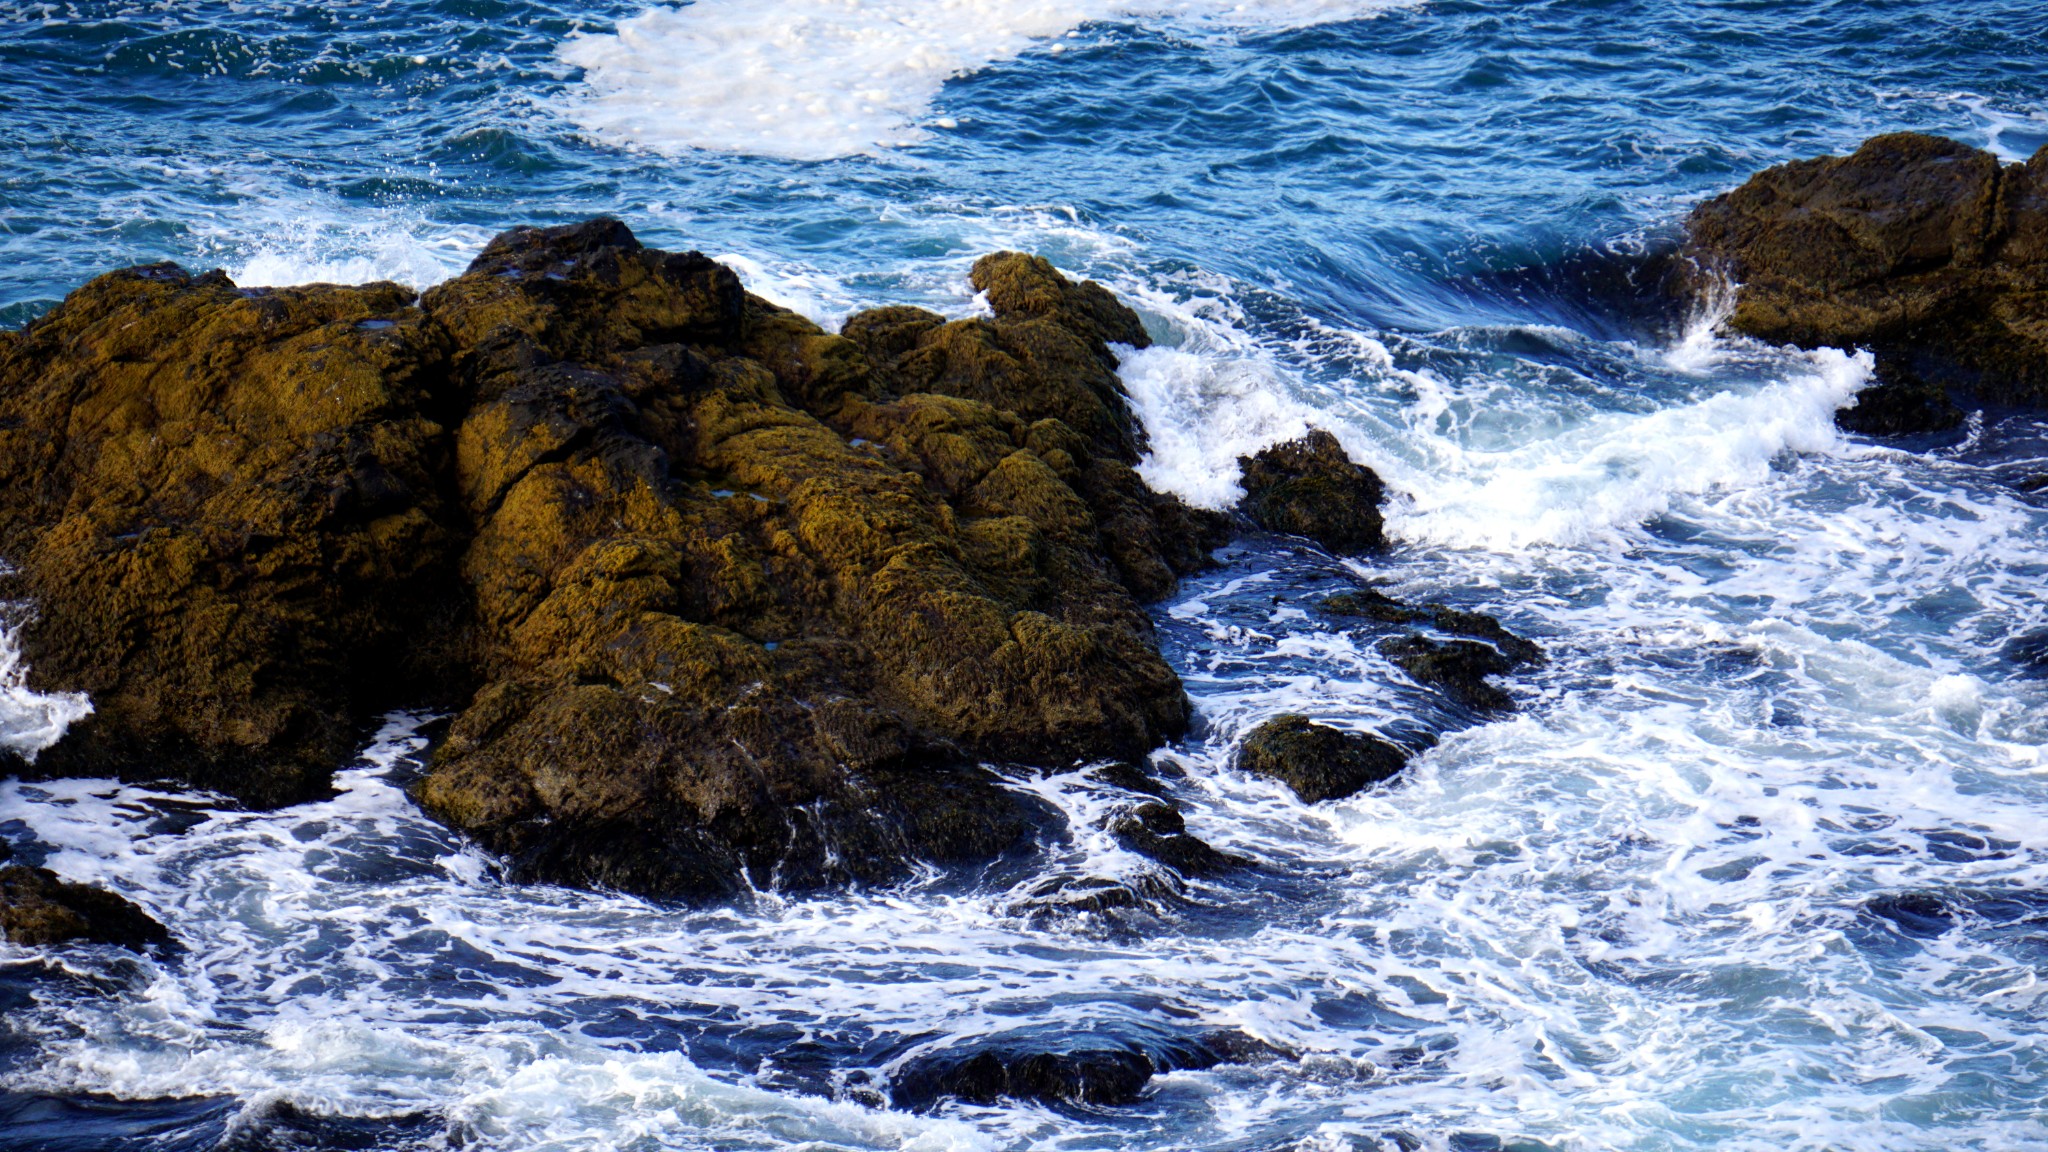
(1758, 864)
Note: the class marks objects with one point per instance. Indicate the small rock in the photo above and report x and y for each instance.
(1111, 1074)
(1317, 761)
(1370, 605)
(1309, 487)
(1459, 667)
(37, 907)
(1087, 1076)
(1157, 830)
(1515, 649)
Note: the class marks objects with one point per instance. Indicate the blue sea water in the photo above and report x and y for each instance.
(1758, 864)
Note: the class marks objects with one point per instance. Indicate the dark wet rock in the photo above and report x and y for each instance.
(1317, 761)
(1367, 604)
(1061, 896)
(1130, 777)
(1900, 406)
(1929, 252)
(1459, 667)
(1517, 650)
(1089, 1076)
(282, 1126)
(1101, 1076)
(1157, 830)
(715, 594)
(37, 907)
(1310, 487)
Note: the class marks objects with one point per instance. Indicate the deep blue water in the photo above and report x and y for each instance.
(1757, 865)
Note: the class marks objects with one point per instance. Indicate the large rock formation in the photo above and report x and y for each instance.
(1929, 252)
(719, 597)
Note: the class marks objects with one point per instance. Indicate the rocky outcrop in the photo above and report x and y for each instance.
(226, 508)
(719, 598)
(1317, 761)
(1929, 252)
(1310, 487)
(39, 908)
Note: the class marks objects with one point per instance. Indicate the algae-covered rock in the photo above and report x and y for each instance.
(1929, 252)
(1310, 487)
(1460, 667)
(1317, 761)
(225, 508)
(741, 635)
(37, 908)
(720, 598)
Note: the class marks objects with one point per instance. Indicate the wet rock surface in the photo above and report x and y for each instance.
(718, 597)
(1317, 761)
(1931, 253)
(39, 908)
(1106, 1075)
(1310, 487)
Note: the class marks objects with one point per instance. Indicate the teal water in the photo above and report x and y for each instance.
(1757, 865)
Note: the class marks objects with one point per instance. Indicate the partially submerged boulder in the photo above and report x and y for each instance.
(1310, 487)
(1099, 1074)
(1317, 761)
(40, 908)
(1929, 252)
(719, 598)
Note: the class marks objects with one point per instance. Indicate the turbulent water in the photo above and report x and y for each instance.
(1758, 863)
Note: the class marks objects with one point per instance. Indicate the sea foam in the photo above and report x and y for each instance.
(816, 79)
(31, 721)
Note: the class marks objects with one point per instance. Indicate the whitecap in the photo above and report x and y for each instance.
(817, 79)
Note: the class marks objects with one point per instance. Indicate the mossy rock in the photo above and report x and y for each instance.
(1317, 761)
(39, 908)
(1310, 487)
(719, 598)
(1929, 252)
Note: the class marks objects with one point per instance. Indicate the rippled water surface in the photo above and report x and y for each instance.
(1758, 863)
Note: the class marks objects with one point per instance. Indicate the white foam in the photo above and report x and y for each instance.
(31, 721)
(1617, 470)
(816, 79)
(307, 246)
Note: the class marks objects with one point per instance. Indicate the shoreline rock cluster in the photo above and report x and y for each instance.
(717, 599)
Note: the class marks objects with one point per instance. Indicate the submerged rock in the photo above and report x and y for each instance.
(1107, 1075)
(1310, 487)
(37, 907)
(1156, 829)
(719, 597)
(1317, 761)
(1459, 667)
(1929, 252)
(1369, 604)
